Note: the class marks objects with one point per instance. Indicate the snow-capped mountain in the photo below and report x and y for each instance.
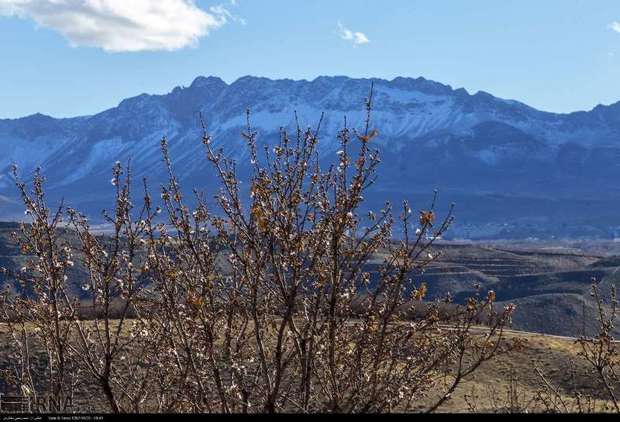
(509, 167)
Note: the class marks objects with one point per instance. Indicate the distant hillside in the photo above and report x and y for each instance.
(551, 289)
(514, 172)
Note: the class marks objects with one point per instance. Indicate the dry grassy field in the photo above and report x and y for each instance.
(544, 370)
(514, 382)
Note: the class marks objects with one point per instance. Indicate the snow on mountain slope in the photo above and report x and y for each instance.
(431, 136)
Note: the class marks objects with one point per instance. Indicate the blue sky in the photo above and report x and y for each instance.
(77, 57)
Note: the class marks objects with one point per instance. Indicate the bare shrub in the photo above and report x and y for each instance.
(601, 355)
(601, 351)
(284, 298)
(38, 321)
(598, 354)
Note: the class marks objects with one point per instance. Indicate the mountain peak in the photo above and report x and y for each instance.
(208, 81)
(422, 85)
(133, 101)
(39, 117)
(254, 79)
(483, 94)
(337, 78)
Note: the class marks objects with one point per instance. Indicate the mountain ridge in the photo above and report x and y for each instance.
(197, 83)
(473, 146)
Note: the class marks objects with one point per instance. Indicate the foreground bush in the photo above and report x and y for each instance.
(284, 299)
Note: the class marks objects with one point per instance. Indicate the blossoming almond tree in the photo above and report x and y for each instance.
(285, 297)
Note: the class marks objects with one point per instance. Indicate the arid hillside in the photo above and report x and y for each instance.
(544, 375)
(550, 284)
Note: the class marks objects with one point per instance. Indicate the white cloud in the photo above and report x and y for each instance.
(224, 14)
(123, 25)
(358, 38)
(614, 26)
